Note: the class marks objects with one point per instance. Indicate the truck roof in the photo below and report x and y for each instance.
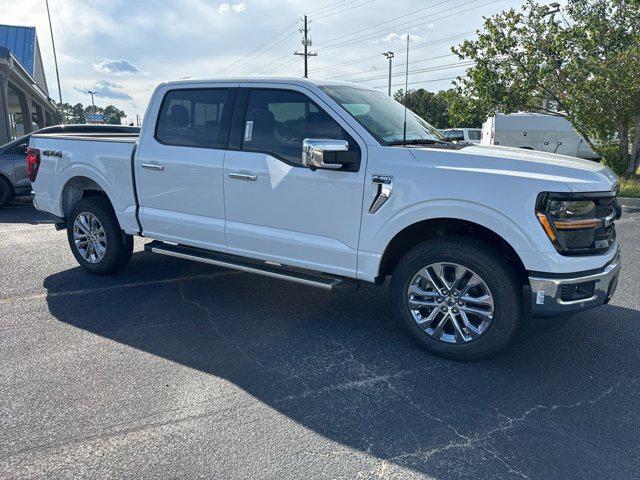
(531, 122)
(283, 80)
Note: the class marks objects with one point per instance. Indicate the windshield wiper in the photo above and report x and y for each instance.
(419, 141)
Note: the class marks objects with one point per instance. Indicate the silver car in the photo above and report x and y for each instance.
(14, 177)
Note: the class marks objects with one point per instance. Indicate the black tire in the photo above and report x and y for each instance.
(6, 191)
(494, 270)
(119, 246)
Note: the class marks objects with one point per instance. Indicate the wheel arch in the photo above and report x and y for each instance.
(77, 188)
(417, 232)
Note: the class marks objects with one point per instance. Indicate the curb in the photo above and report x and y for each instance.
(630, 202)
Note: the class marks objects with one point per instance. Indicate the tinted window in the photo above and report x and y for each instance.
(475, 134)
(192, 118)
(12, 148)
(277, 122)
(454, 134)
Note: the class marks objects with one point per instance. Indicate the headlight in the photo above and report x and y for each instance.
(578, 223)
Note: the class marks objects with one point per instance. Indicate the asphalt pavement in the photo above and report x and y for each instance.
(179, 370)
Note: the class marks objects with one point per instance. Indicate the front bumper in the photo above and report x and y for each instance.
(555, 296)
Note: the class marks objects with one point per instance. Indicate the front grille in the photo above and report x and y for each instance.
(577, 291)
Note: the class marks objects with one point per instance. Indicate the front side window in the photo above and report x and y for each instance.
(382, 116)
(277, 122)
(193, 118)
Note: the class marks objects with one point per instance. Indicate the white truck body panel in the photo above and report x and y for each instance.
(319, 219)
(534, 131)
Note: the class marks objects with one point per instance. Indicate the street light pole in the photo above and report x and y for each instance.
(55, 61)
(93, 105)
(389, 55)
(552, 9)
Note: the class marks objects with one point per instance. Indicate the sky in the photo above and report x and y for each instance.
(124, 48)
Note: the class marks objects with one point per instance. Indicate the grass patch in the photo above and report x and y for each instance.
(630, 187)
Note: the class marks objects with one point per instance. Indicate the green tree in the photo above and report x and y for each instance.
(62, 113)
(443, 109)
(585, 68)
(77, 114)
(113, 115)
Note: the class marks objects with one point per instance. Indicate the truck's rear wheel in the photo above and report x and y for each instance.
(458, 297)
(95, 237)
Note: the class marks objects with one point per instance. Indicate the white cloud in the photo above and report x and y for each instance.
(399, 37)
(106, 89)
(117, 67)
(236, 7)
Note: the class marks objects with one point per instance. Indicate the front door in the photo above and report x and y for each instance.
(179, 167)
(279, 210)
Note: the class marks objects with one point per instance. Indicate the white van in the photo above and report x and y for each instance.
(535, 131)
(471, 135)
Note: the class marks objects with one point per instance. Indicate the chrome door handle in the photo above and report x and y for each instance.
(152, 166)
(243, 176)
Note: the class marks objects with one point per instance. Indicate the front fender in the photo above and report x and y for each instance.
(525, 236)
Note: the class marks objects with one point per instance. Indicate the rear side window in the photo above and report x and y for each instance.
(193, 118)
(277, 122)
(475, 134)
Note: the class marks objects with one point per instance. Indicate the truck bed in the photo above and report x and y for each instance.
(70, 159)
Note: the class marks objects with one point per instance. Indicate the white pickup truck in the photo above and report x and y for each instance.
(326, 185)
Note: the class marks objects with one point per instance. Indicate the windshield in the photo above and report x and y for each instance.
(382, 116)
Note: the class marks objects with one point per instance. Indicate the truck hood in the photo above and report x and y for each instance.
(576, 174)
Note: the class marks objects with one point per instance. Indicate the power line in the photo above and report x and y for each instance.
(329, 6)
(385, 22)
(417, 82)
(280, 66)
(265, 46)
(422, 45)
(395, 66)
(331, 13)
(407, 25)
(413, 23)
(420, 70)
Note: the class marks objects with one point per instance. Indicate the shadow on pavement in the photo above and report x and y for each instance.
(21, 210)
(339, 366)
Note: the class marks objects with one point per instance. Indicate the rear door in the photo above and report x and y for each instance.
(276, 208)
(179, 165)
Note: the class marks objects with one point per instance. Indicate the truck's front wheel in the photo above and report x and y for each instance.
(457, 296)
(95, 237)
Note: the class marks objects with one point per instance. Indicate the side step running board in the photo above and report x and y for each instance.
(325, 281)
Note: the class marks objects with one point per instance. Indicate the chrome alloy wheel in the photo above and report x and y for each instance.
(89, 237)
(451, 303)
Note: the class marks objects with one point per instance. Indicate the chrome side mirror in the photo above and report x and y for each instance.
(22, 148)
(322, 153)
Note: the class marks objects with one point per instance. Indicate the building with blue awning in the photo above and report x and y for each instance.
(25, 104)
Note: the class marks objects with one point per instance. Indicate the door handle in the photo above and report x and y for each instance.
(152, 166)
(243, 176)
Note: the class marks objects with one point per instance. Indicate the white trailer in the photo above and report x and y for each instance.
(535, 131)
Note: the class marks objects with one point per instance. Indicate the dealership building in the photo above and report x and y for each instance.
(24, 97)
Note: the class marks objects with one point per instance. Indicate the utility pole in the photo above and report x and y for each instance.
(55, 60)
(389, 55)
(306, 43)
